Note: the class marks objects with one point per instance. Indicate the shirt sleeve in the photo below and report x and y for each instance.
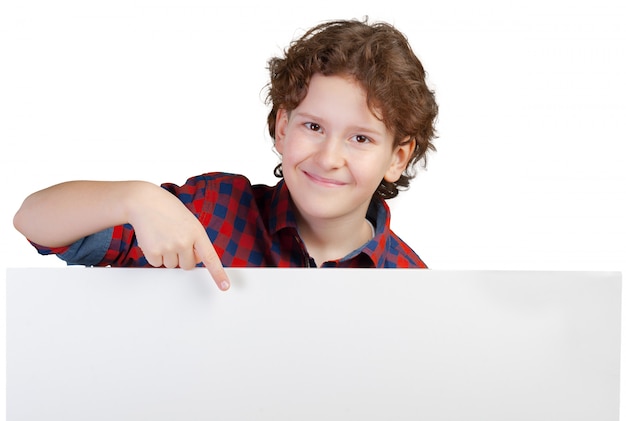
(117, 246)
(87, 251)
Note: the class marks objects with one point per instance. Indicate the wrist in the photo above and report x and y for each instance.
(135, 197)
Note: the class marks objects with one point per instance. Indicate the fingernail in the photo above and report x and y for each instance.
(225, 285)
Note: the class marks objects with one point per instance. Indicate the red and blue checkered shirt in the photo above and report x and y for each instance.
(249, 226)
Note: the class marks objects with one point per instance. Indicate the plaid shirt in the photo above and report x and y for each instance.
(248, 225)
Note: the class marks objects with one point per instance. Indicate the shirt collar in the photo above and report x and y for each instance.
(283, 216)
(379, 214)
(282, 213)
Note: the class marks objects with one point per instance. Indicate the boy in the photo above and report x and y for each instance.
(351, 115)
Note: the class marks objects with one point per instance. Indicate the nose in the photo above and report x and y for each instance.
(331, 153)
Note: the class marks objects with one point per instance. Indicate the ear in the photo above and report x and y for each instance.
(400, 159)
(282, 118)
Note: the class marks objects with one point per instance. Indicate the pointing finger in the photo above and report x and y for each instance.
(208, 256)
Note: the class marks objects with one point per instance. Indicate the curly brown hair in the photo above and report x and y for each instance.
(379, 57)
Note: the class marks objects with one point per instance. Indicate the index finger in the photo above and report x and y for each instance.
(206, 253)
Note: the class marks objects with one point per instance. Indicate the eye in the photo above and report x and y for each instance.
(313, 126)
(359, 138)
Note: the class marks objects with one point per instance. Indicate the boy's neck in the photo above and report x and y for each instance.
(328, 240)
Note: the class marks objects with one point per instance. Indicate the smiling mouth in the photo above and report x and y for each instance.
(324, 181)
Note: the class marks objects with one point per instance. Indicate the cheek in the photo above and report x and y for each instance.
(375, 165)
(290, 161)
(294, 150)
(367, 172)
(288, 153)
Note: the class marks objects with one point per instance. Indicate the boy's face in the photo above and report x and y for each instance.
(335, 152)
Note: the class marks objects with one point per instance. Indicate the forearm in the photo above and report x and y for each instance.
(61, 214)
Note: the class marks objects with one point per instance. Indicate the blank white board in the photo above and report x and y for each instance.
(312, 344)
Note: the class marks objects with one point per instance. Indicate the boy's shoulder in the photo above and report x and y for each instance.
(218, 178)
(221, 182)
(225, 187)
(401, 255)
(389, 251)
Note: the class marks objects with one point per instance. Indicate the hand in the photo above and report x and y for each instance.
(170, 235)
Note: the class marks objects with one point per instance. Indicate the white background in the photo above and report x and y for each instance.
(530, 169)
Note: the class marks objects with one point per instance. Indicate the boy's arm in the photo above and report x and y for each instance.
(167, 232)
